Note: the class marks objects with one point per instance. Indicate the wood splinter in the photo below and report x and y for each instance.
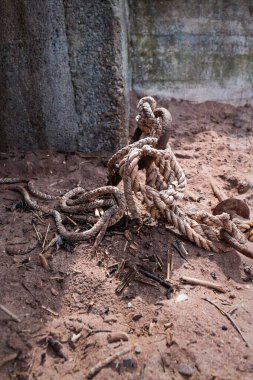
(207, 284)
(8, 359)
(8, 312)
(103, 363)
(229, 318)
(169, 264)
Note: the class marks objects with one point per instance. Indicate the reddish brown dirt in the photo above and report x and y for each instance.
(80, 289)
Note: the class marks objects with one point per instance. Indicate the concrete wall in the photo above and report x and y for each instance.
(62, 75)
(64, 64)
(196, 50)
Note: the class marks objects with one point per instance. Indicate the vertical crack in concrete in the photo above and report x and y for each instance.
(71, 77)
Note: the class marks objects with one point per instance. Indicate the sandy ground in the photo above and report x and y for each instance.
(77, 297)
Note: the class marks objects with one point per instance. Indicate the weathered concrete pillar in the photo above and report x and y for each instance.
(97, 56)
(62, 75)
(37, 108)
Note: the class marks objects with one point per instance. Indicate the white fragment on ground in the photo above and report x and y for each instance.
(182, 297)
(76, 337)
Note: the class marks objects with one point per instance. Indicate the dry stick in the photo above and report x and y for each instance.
(230, 319)
(34, 213)
(93, 332)
(100, 235)
(51, 243)
(181, 245)
(50, 310)
(208, 284)
(37, 233)
(142, 372)
(8, 312)
(155, 278)
(170, 264)
(8, 359)
(71, 220)
(126, 280)
(159, 262)
(103, 363)
(145, 282)
(177, 247)
(220, 195)
(45, 239)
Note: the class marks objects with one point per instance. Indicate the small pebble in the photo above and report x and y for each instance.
(247, 270)
(243, 187)
(129, 363)
(54, 292)
(117, 337)
(137, 350)
(224, 328)
(75, 337)
(136, 317)
(129, 305)
(182, 297)
(185, 369)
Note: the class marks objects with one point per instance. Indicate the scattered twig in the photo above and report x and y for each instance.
(182, 247)
(126, 280)
(74, 362)
(51, 243)
(71, 220)
(37, 216)
(170, 264)
(8, 312)
(141, 377)
(8, 359)
(30, 368)
(50, 310)
(19, 243)
(158, 262)
(125, 246)
(45, 238)
(141, 280)
(229, 318)
(120, 269)
(155, 278)
(100, 235)
(177, 247)
(208, 284)
(31, 293)
(114, 265)
(103, 363)
(56, 183)
(37, 233)
(92, 332)
(216, 190)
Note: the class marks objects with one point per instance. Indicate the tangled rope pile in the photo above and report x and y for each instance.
(165, 183)
(153, 182)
